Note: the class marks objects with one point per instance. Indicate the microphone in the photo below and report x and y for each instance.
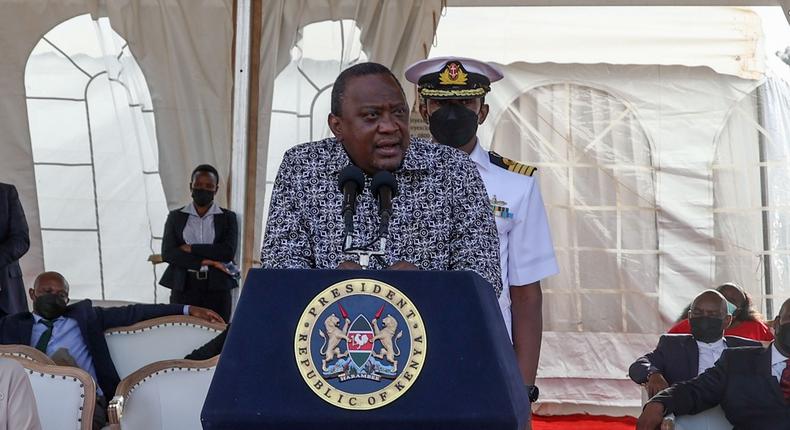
(351, 183)
(384, 188)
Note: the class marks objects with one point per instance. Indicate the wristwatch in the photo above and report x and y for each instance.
(533, 392)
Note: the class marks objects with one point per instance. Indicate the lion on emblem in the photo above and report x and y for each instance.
(389, 341)
(334, 335)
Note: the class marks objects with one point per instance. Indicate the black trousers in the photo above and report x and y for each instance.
(100, 413)
(196, 293)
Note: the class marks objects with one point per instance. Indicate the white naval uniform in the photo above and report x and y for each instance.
(525, 248)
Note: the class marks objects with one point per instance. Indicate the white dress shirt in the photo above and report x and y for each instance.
(709, 353)
(200, 230)
(526, 251)
(778, 363)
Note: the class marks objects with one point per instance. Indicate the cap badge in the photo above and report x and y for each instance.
(453, 75)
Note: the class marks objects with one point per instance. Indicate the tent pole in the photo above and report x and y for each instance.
(251, 250)
(241, 80)
(764, 202)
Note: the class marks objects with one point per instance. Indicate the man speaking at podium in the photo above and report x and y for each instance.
(440, 214)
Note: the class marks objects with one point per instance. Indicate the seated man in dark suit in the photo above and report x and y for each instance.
(680, 357)
(79, 328)
(752, 385)
(199, 240)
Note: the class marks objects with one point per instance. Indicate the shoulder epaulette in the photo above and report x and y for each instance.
(513, 166)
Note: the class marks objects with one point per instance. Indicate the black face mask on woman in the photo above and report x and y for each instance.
(202, 198)
(49, 306)
(706, 329)
(453, 125)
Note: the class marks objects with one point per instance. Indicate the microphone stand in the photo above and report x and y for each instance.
(364, 254)
(385, 188)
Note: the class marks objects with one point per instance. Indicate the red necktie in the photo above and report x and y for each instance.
(785, 382)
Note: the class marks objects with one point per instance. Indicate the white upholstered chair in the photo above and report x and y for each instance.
(24, 352)
(65, 396)
(167, 395)
(166, 338)
(711, 419)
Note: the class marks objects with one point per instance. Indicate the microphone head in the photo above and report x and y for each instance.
(384, 179)
(352, 173)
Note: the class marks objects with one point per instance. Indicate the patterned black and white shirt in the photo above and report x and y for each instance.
(441, 218)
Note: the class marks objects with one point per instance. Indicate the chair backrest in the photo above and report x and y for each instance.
(711, 419)
(167, 395)
(24, 352)
(165, 338)
(65, 396)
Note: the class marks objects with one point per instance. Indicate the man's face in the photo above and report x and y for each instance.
(782, 341)
(455, 132)
(374, 123)
(49, 285)
(712, 306)
(204, 181)
(783, 317)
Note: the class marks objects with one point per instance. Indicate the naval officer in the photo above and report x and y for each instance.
(452, 94)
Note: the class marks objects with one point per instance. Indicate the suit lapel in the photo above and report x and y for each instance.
(26, 328)
(219, 226)
(765, 371)
(181, 222)
(78, 312)
(692, 354)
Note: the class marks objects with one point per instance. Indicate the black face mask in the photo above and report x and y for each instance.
(453, 125)
(49, 306)
(782, 338)
(202, 198)
(706, 329)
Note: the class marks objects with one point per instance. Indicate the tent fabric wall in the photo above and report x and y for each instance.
(95, 154)
(681, 111)
(22, 24)
(184, 49)
(395, 33)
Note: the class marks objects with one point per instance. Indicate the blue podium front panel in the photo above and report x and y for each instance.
(389, 349)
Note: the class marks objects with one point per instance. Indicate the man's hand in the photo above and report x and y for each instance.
(349, 265)
(402, 265)
(186, 248)
(205, 314)
(655, 383)
(652, 416)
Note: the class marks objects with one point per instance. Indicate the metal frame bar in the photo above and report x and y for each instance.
(241, 85)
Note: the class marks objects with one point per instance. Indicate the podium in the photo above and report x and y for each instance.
(386, 350)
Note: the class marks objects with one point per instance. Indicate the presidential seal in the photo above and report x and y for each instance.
(360, 344)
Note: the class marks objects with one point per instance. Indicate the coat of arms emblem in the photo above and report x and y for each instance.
(360, 344)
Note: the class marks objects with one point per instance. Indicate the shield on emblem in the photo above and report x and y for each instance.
(360, 340)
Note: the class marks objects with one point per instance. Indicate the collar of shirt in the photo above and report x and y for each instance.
(719, 344)
(190, 209)
(37, 318)
(776, 356)
(480, 156)
(413, 160)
